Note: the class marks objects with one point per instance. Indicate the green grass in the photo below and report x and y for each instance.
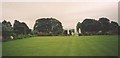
(62, 46)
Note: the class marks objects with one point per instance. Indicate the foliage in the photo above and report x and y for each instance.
(90, 27)
(114, 27)
(105, 25)
(18, 31)
(48, 26)
(7, 30)
(101, 27)
(21, 28)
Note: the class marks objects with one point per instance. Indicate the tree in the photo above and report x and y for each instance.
(100, 27)
(20, 28)
(90, 27)
(7, 30)
(105, 24)
(48, 26)
(114, 27)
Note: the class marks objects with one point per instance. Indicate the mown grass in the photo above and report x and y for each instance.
(62, 46)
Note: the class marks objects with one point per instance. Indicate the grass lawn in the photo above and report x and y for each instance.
(62, 46)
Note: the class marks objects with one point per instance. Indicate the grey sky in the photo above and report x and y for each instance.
(69, 13)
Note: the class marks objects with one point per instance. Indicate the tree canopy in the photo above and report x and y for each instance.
(93, 27)
(21, 28)
(105, 24)
(48, 26)
(6, 30)
(90, 26)
(114, 27)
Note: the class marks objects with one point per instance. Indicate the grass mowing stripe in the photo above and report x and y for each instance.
(95, 49)
(61, 49)
(64, 48)
(72, 47)
(103, 47)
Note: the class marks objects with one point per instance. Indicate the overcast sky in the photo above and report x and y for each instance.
(69, 13)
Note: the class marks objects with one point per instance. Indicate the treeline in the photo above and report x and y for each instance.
(103, 26)
(53, 27)
(19, 30)
(42, 27)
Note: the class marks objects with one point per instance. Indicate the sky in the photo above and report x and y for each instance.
(69, 13)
